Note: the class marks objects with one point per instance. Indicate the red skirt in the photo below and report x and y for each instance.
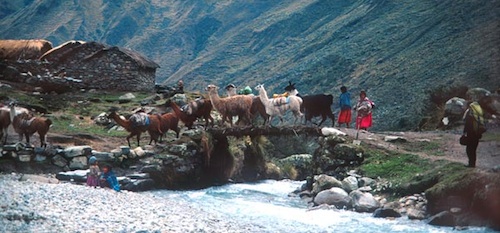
(364, 122)
(345, 116)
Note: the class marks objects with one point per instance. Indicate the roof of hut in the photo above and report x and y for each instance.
(61, 49)
(23, 49)
(68, 49)
(137, 57)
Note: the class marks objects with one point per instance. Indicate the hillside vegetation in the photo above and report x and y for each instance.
(400, 51)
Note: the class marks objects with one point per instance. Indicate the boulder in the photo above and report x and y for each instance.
(363, 202)
(348, 153)
(139, 185)
(138, 152)
(333, 196)
(59, 161)
(104, 156)
(395, 139)
(415, 214)
(78, 163)
(302, 164)
(126, 98)
(329, 131)
(324, 182)
(366, 181)
(76, 175)
(74, 151)
(474, 94)
(350, 183)
(444, 218)
(24, 156)
(386, 213)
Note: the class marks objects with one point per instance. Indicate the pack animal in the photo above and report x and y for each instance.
(26, 125)
(238, 105)
(200, 108)
(132, 125)
(314, 105)
(258, 108)
(277, 107)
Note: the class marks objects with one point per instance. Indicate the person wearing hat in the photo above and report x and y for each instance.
(364, 111)
(94, 172)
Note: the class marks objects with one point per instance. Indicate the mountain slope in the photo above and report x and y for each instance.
(398, 51)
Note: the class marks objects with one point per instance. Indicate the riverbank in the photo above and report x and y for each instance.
(30, 206)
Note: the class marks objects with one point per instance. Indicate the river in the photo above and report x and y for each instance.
(267, 206)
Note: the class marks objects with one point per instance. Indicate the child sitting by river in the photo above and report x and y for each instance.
(108, 178)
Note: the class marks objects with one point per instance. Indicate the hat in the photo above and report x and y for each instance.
(92, 159)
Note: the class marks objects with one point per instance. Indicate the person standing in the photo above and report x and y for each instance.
(345, 107)
(474, 128)
(364, 111)
(94, 171)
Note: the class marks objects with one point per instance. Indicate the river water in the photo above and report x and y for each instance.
(267, 206)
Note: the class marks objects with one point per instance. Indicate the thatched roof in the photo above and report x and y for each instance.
(93, 50)
(23, 49)
(135, 56)
(61, 50)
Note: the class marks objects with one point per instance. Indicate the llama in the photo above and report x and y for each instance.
(258, 107)
(152, 125)
(26, 125)
(238, 105)
(196, 109)
(279, 106)
(4, 125)
(169, 121)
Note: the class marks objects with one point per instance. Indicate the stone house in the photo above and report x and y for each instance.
(98, 66)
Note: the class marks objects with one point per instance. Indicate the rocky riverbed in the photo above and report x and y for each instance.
(33, 206)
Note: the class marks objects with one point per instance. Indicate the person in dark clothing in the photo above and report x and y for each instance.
(473, 130)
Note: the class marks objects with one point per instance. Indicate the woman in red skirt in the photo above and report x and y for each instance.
(345, 107)
(364, 112)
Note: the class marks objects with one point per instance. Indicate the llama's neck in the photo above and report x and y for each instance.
(177, 110)
(263, 93)
(214, 96)
(12, 113)
(122, 122)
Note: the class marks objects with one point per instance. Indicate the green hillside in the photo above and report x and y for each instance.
(399, 51)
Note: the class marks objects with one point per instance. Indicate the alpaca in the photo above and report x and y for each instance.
(238, 105)
(196, 109)
(27, 125)
(152, 126)
(257, 106)
(279, 106)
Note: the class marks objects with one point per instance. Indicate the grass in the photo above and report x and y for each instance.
(430, 148)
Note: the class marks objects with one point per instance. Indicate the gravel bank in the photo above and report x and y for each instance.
(29, 206)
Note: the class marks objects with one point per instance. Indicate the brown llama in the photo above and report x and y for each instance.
(152, 125)
(196, 109)
(4, 125)
(258, 108)
(169, 121)
(279, 106)
(26, 125)
(238, 105)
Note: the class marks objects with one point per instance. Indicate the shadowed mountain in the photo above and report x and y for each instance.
(399, 52)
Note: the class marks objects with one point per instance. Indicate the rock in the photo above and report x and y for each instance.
(24, 156)
(151, 169)
(74, 151)
(323, 182)
(350, 183)
(386, 213)
(138, 176)
(38, 178)
(363, 202)
(348, 153)
(415, 214)
(366, 181)
(138, 151)
(78, 163)
(104, 156)
(328, 131)
(333, 196)
(76, 175)
(59, 161)
(139, 185)
(127, 97)
(40, 158)
(474, 94)
(178, 149)
(455, 107)
(444, 218)
(301, 162)
(102, 119)
(395, 139)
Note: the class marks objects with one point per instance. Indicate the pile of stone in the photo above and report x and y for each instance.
(354, 192)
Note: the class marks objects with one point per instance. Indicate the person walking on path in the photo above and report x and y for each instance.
(474, 128)
(94, 172)
(345, 115)
(364, 112)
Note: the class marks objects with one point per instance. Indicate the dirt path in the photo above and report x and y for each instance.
(446, 145)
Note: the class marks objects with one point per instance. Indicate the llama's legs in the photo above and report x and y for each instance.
(128, 139)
